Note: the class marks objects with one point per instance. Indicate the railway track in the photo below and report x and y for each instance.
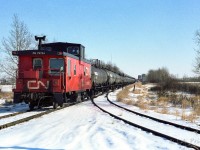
(11, 115)
(25, 119)
(168, 137)
(156, 119)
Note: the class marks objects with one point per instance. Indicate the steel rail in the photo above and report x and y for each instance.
(13, 123)
(36, 115)
(178, 141)
(11, 115)
(156, 119)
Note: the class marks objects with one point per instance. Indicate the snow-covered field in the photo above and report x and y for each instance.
(6, 88)
(82, 126)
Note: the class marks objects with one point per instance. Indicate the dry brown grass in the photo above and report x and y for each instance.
(142, 105)
(163, 99)
(128, 102)
(153, 103)
(147, 101)
(138, 85)
(140, 98)
(191, 117)
(185, 103)
(153, 108)
(183, 115)
(176, 113)
(197, 110)
(164, 110)
(8, 96)
(182, 102)
(137, 91)
(124, 93)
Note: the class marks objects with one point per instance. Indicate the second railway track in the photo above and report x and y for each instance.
(12, 114)
(25, 119)
(155, 132)
(156, 119)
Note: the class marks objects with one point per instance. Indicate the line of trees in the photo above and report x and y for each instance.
(158, 76)
(162, 75)
(109, 65)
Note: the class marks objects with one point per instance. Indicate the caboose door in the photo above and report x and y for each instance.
(81, 77)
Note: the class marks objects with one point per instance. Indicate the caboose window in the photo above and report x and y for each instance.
(74, 50)
(56, 65)
(37, 63)
(69, 67)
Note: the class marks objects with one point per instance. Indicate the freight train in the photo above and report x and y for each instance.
(58, 73)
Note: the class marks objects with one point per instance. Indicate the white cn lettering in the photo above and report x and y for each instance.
(39, 83)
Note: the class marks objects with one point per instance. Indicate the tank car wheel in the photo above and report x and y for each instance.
(55, 105)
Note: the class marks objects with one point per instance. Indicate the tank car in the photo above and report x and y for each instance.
(99, 77)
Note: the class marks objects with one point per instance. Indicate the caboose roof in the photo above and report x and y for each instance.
(60, 45)
(44, 52)
(56, 48)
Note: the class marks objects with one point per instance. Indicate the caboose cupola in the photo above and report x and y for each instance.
(74, 49)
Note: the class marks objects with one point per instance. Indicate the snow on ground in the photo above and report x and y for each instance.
(13, 108)
(6, 88)
(2, 101)
(82, 127)
(17, 117)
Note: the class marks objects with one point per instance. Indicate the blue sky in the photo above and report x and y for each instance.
(136, 35)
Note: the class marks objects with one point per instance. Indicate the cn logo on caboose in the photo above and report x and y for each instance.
(34, 85)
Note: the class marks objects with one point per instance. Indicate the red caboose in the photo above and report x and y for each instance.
(54, 74)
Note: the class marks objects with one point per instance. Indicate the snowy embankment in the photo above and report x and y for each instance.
(166, 117)
(6, 88)
(82, 126)
(190, 137)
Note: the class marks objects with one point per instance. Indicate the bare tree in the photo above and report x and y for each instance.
(197, 58)
(158, 76)
(19, 39)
